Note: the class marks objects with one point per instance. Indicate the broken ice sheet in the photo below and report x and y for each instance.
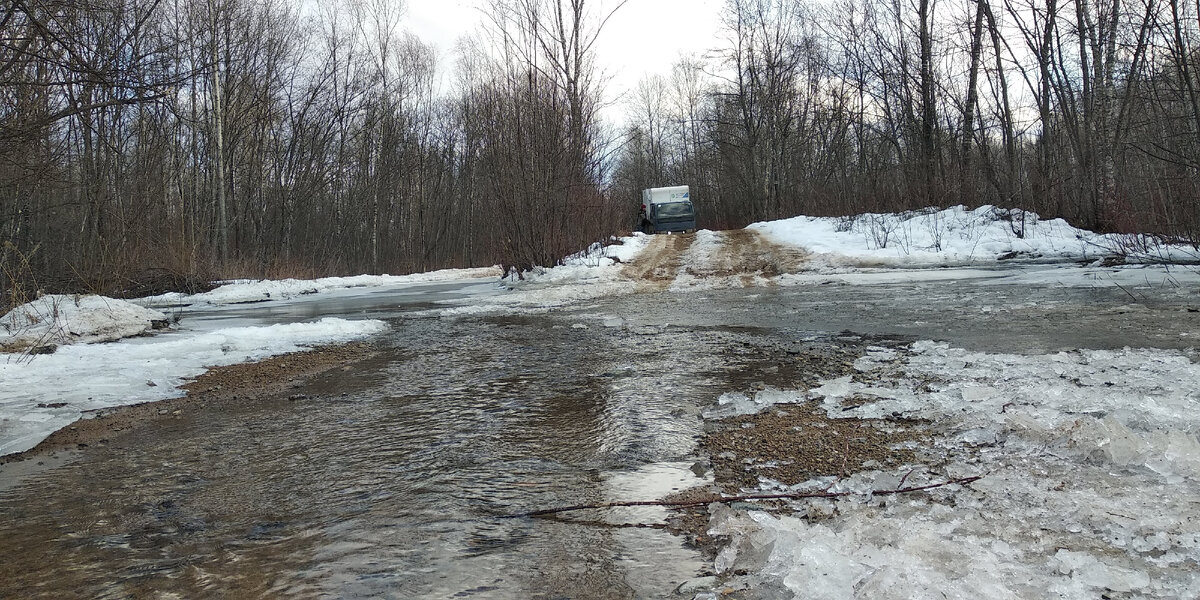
(1091, 466)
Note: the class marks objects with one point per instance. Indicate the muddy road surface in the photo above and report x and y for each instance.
(741, 257)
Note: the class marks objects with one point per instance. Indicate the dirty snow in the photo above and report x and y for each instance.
(1091, 469)
(67, 319)
(705, 253)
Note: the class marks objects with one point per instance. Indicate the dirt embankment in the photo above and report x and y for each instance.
(219, 388)
(743, 255)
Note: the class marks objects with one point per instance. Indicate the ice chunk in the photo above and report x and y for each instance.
(612, 321)
(834, 388)
(1086, 570)
(732, 404)
(979, 437)
(978, 393)
(1169, 452)
(769, 397)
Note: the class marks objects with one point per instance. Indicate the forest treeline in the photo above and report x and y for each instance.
(1082, 109)
(163, 140)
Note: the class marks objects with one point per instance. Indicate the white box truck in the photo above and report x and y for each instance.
(667, 209)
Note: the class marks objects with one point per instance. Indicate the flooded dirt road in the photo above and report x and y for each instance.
(387, 479)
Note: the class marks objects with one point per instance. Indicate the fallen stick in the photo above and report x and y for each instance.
(712, 499)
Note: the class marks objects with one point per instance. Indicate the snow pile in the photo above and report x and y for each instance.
(62, 319)
(593, 273)
(954, 236)
(252, 291)
(41, 394)
(600, 256)
(597, 264)
(1090, 463)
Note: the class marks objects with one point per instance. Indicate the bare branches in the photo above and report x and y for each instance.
(126, 125)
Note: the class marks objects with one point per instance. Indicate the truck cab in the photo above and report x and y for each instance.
(667, 209)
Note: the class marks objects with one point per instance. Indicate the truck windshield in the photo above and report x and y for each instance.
(674, 210)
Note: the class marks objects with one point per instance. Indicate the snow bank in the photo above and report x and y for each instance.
(598, 263)
(62, 319)
(593, 273)
(954, 236)
(620, 250)
(252, 291)
(1090, 463)
(41, 394)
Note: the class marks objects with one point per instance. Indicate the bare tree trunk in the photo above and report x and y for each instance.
(1182, 57)
(1047, 138)
(1009, 137)
(218, 123)
(968, 129)
(929, 162)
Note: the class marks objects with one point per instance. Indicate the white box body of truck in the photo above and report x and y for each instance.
(664, 194)
(667, 210)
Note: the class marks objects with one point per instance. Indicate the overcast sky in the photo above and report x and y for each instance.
(644, 36)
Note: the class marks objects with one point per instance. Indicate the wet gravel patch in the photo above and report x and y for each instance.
(791, 444)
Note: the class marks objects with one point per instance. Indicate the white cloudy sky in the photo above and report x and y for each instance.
(644, 36)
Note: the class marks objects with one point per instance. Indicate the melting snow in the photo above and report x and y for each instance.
(64, 319)
(1091, 469)
(252, 291)
(41, 394)
(1090, 460)
(989, 245)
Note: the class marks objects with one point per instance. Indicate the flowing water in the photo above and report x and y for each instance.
(392, 480)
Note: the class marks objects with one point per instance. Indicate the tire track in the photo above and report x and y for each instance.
(740, 257)
(658, 264)
(747, 257)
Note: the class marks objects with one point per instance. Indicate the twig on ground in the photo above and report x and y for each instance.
(845, 456)
(1126, 291)
(746, 498)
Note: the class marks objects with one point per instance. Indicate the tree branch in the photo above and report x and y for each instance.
(747, 498)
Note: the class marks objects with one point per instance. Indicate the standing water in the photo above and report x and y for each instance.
(392, 479)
